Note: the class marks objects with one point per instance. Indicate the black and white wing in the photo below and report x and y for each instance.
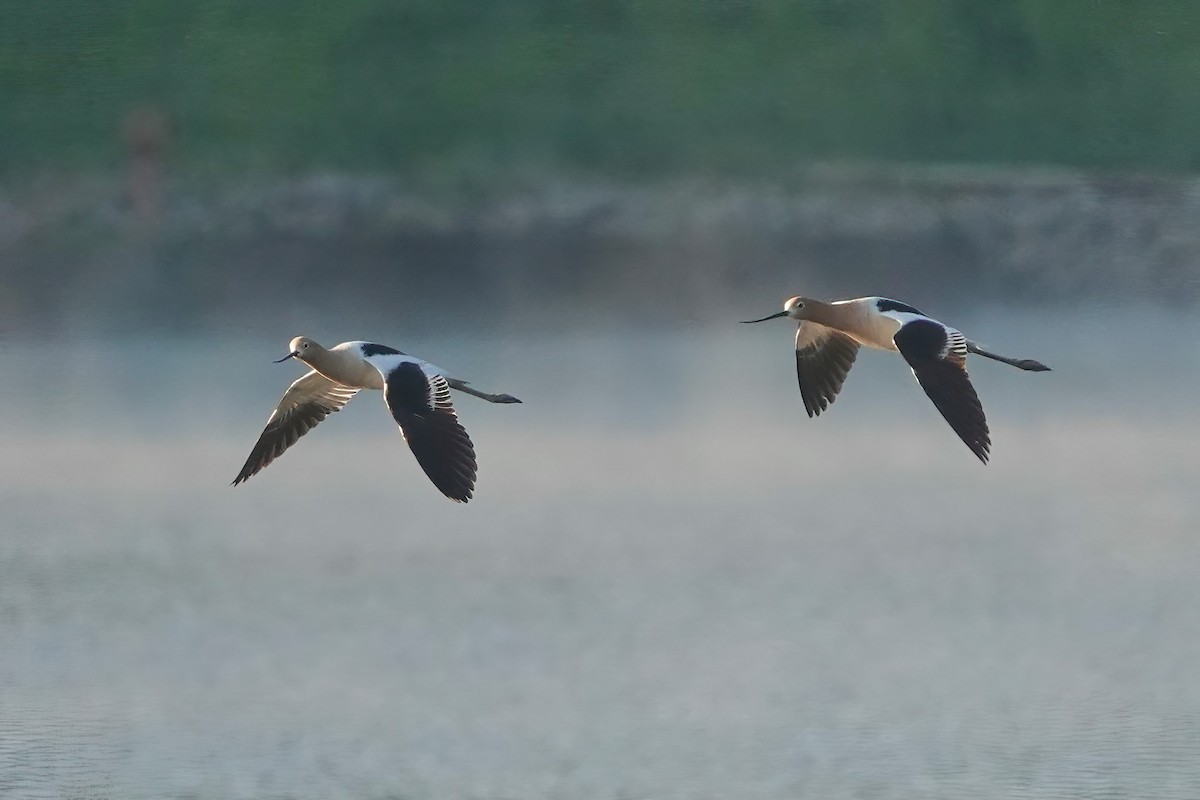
(419, 399)
(309, 400)
(823, 357)
(938, 357)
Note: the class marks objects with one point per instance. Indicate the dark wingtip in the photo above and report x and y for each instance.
(1034, 366)
(459, 494)
(982, 448)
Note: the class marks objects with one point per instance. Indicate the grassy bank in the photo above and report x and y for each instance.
(624, 89)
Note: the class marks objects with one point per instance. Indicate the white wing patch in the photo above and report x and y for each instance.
(956, 346)
(904, 317)
(387, 363)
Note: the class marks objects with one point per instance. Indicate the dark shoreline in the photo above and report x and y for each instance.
(75, 250)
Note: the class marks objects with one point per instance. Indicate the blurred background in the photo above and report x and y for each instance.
(671, 583)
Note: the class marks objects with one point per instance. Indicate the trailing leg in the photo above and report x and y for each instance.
(462, 386)
(1021, 363)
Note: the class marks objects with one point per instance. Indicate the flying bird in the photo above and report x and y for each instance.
(830, 333)
(416, 392)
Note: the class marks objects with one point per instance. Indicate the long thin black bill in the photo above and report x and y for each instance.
(292, 354)
(764, 319)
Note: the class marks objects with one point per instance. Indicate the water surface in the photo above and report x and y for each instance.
(671, 582)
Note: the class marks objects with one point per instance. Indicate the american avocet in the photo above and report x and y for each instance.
(416, 392)
(829, 335)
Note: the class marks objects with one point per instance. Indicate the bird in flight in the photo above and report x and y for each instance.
(416, 392)
(830, 333)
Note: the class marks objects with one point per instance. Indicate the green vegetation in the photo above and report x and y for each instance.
(620, 87)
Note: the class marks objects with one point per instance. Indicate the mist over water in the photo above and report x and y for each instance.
(671, 583)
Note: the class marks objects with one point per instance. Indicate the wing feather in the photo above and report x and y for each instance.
(938, 357)
(307, 401)
(419, 401)
(823, 358)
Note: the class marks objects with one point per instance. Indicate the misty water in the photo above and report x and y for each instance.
(671, 583)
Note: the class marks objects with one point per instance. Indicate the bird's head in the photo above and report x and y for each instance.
(302, 348)
(793, 308)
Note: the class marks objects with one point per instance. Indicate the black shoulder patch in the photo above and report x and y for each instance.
(370, 349)
(921, 339)
(884, 304)
(407, 390)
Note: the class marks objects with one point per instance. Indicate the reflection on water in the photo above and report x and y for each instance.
(671, 583)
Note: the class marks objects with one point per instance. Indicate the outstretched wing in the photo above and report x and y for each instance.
(419, 399)
(938, 357)
(823, 357)
(306, 402)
